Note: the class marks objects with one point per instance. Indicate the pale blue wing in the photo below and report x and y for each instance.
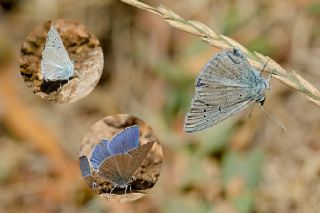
(54, 41)
(84, 166)
(100, 153)
(52, 68)
(125, 140)
(55, 62)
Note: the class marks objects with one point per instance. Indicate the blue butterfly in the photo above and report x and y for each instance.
(116, 160)
(55, 63)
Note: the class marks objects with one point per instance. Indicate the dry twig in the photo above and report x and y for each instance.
(257, 60)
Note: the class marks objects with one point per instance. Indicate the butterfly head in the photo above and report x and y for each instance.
(260, 89)
(261, 100)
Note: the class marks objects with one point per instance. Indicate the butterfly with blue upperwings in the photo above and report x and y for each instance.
(55, 63)
(116, 160)
(225, 86)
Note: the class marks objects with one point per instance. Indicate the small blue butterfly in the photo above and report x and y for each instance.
(225, 86)
(116, 160)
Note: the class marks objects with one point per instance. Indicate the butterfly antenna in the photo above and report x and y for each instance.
(265, 65)
(270, 75)
(273, 118)
(251, 110)
(77, 73)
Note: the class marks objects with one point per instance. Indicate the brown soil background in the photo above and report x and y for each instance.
(241, 165)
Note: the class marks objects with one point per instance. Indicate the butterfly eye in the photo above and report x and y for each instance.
(94, 184)
(261, 100)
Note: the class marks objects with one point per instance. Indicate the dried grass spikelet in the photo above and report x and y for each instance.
(257, 60)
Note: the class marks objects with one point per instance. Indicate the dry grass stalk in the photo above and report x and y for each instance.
(257, 60)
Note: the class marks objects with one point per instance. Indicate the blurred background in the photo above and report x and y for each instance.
(245, 164)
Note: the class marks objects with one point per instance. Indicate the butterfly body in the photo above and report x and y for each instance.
(258, 89)
(55, 63)
(225, 86)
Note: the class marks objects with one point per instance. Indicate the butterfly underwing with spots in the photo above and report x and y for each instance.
(226, 85)
(55, 63)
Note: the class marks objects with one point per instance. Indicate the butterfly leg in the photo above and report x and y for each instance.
(273, 118)
(125, 190)
(270, 75)
(268, 81)
(77, 73)
(112, 189)
(264, 66)
(251, 110)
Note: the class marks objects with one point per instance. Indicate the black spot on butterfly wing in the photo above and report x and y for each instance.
(230, 84)
(199, 83)
(196, 121)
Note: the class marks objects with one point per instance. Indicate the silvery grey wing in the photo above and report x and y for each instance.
(223, 87)
(117, 169)
(139, 154)
(84, 166)
(55, 62)
(229, 68)
(202, 115)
